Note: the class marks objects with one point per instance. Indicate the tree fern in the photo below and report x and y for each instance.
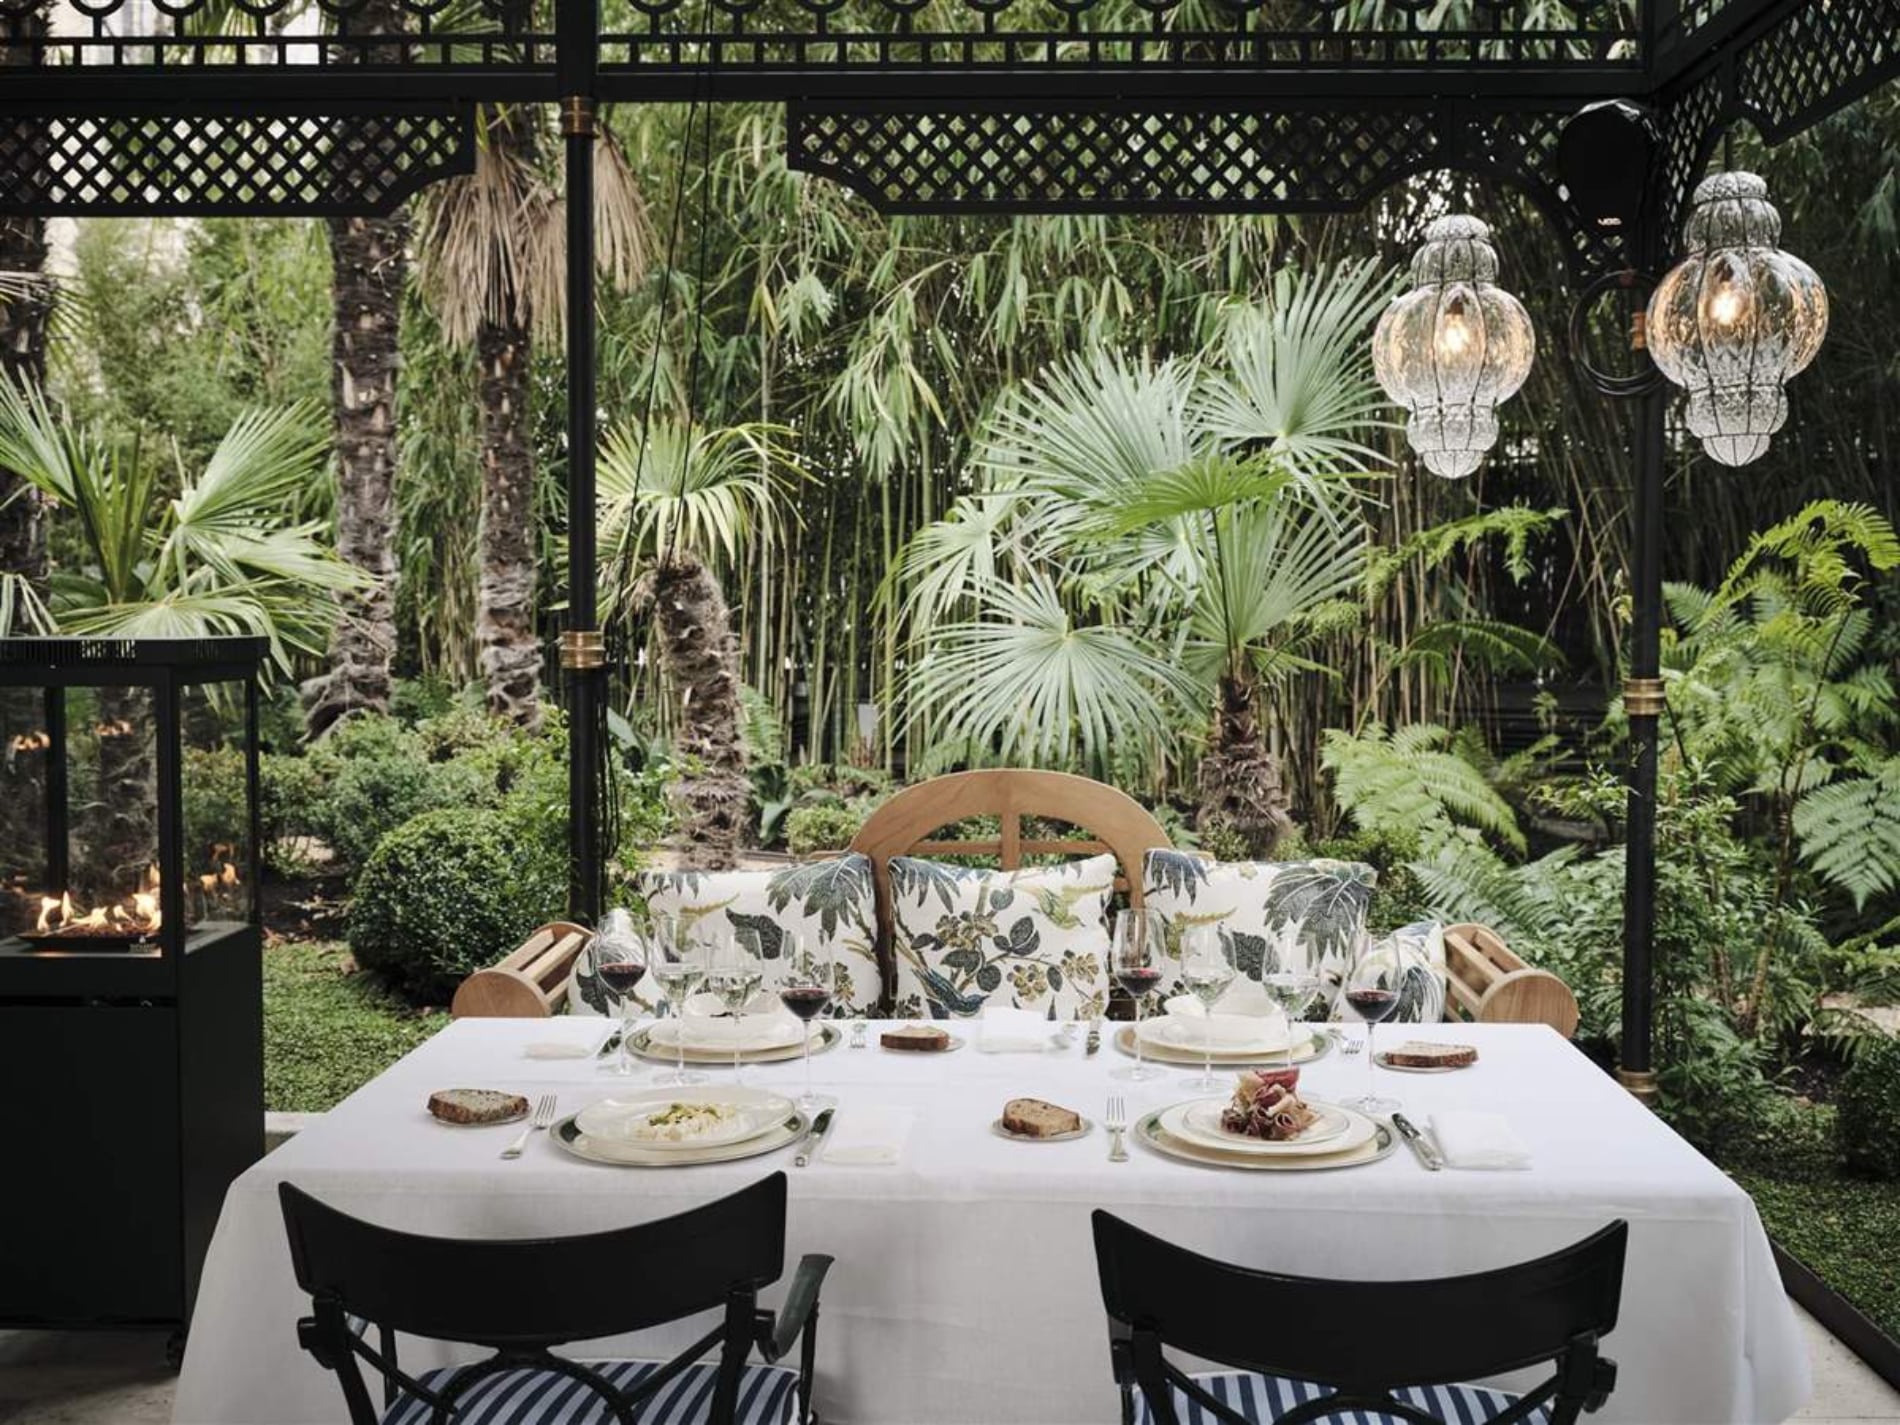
(1412, 781)
(1850, 832)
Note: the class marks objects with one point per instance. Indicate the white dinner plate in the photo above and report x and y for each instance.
(1150, 1134)
(569, 1139)
(1173, 1031)
(716, 1036)
(1317, 1042)
(1174, 1122)
(1202, 1124)
(618, 1119)
(825, 1036)
(1001, 1132)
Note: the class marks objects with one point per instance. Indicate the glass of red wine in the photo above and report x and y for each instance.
(1136, 957)
(805, 988)
(1372, 989)
(620, 955)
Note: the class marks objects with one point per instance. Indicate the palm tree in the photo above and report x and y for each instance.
(492, 257)
(673, 503)
(1154, 537)
(221, 556)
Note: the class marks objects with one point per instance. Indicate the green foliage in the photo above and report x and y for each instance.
(1869, 1109)
(447, 893)
(216, 808)
(823, 827)
(1415, 781)
(1850, 831)
(1398, 897)
(328, 1027)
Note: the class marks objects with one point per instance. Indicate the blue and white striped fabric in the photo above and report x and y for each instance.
(1264, 1399)
(768, 1395)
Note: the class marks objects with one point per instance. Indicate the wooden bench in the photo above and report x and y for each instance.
(530, 983)
(1488, 983)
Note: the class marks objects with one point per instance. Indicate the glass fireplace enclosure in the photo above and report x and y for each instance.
(131, 997)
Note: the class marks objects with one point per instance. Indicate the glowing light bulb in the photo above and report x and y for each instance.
(1454, 334)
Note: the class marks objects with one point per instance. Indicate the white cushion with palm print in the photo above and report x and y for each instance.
(830, 902)
(1033, 938)
(1250, 902)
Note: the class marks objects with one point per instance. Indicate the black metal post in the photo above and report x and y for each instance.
(582, 652)
(58, 796)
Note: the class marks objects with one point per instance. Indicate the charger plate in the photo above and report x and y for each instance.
(755, 1112)
(1150, 1133)
(568, 1137)
(1317, 1046)
(642, 1046)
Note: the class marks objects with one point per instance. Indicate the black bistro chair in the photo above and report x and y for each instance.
(521, 1298)
(1372, 1353)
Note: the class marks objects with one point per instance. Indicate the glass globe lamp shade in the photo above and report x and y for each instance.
(1453, 347)
(1736, 318)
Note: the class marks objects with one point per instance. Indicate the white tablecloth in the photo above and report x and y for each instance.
(965, 1289)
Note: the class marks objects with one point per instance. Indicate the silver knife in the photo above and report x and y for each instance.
(1094, 1041)
(1419, 1144)
(818, 1127)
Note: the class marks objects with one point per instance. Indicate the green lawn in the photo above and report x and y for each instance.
(328, 1027)
(1843, 1228)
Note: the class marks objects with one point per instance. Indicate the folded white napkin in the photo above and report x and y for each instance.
(1012, 1031)
(558, 1049)
(869, 1135)
(766, 1024)
(1187, 1022)
(1470, 1139)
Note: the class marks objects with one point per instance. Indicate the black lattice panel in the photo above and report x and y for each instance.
(1818, 58)
(305, 164)
(1125, 160)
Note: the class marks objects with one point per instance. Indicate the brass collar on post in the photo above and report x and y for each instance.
(1643, 697)
(583, 648)
(577, 114)
(1641, 1084)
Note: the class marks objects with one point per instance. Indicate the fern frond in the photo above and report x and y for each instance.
(1850, 832)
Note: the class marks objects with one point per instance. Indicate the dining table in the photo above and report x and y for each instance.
(965, 1289)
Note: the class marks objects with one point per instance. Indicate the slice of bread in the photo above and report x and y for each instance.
(1422, 1054)
(925, 1037)
(476, 1105)
(1033, 1118)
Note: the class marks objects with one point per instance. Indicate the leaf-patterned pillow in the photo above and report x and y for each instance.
(1033, 938)
(1251, 900)
(830, 902)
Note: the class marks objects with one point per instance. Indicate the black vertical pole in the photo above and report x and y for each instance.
(1643, 703)
(58, 796)
(582, 653)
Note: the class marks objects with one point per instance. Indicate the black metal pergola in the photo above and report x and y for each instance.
(200, 107)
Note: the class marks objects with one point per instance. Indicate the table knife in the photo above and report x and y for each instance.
(1419, 1144)
(1094, 1041)
(818, 1127)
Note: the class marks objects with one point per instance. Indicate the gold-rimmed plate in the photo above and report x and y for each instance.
(569, 1139)
(1150, 1133)
(1182, 1121)
(1318, 1044)
(642, 1046)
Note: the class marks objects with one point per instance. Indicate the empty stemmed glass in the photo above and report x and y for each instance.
(678, 966)
(619, 954)
(805, 988)
(1372, 989)
(1289, 973)
(1135, 959)
(734, 974)
(1207, 969)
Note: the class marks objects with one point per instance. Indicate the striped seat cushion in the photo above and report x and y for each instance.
(768, 1395)
(1264, 1399)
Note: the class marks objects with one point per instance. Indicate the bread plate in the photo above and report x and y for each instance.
(642, 1044)
(1150, 1133)
(1000, 1131)
(1380, 1059)
(516, 1116)
(956, 1043)
(1317, 1045)
(569, 1139)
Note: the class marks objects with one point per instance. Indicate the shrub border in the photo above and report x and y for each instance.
(1853, 1328)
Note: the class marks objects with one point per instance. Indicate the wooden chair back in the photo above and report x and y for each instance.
(1489, 983)
(530, 982)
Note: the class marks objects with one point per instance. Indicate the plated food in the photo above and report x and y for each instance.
(684, 1123)
(1267, 1108)
(916, 1038)
(473, 1108)
(1036, 1119)
(1425, 1054)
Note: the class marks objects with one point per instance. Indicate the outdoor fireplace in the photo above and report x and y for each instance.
(130, 977)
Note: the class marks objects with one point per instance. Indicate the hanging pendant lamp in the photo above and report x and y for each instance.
(1453, 347)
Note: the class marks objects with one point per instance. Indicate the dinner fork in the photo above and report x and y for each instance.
(543, 1118)
(1116, 1122)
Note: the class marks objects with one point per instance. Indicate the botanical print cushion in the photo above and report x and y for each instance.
(1250, 901)
(830, 902)
(1033, 938)
(1421, 948)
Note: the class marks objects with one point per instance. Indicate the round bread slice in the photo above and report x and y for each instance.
(1423, 1054)
(473, 1106)
(1033, 1118)
(925, 1038)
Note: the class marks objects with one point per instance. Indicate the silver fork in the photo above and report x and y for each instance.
(1350, 1047)
(543, 1118)
(1116, 1122)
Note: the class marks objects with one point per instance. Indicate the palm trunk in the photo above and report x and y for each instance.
(701, 658)
(1240, 784)
(510, 652)
(23, 350)
(370, 264)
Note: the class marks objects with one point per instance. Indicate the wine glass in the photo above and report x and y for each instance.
(734, 975)
(1139, 946)
(678, 966)
(1207, 969)
(1289, 973)
(806, 989)
(1372, 989)
(620, 957)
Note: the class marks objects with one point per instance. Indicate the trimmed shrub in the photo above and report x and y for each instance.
(823, 827)
(447, 893)
(1868, 1103)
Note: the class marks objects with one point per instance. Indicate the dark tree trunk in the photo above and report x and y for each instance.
(1239, 781)
(23, 348)
(370, 264)
(701, 658)
(510, 652)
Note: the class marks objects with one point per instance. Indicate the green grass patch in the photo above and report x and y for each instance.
(328, 1027)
